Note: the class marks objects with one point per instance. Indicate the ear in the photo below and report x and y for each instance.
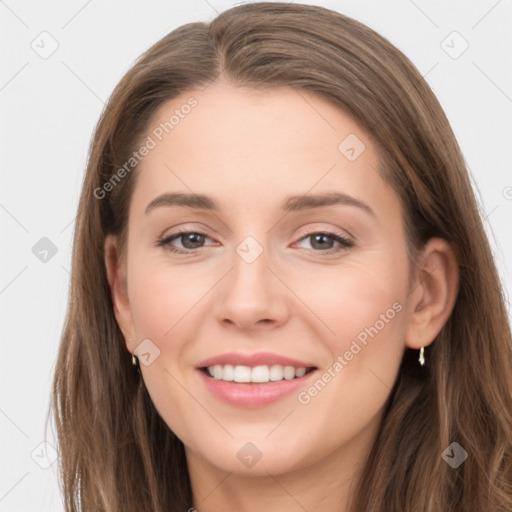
(433, 293)
(116, 274)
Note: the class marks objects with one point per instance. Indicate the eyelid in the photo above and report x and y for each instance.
(323, 229)
(174, 231)
(165, 240)
(343, 241)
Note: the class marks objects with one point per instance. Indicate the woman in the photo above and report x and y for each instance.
(272, 371)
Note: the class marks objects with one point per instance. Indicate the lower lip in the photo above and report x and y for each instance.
(251, 394)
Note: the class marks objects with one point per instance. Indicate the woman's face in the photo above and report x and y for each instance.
(263, 273)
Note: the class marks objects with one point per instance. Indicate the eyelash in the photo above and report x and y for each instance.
(165, 242)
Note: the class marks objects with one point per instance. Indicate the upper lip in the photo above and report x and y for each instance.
(254, 359)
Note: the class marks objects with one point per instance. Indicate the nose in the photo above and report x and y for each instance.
(251, 296)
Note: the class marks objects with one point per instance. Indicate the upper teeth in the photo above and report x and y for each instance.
(262, 373)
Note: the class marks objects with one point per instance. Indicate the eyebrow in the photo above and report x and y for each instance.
(291, 203)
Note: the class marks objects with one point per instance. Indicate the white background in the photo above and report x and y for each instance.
(48, 110)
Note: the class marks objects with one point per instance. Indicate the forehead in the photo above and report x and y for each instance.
(251, 147)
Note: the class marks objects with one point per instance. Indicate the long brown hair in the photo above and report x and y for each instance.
(116, 452)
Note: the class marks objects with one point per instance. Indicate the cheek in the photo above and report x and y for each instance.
(365, 311)
(356, 301)
(161, 298)
(165, 303)
(362, 310)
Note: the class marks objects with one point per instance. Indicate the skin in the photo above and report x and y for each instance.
(249, 150)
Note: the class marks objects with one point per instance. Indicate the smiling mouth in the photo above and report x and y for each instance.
(263, 374)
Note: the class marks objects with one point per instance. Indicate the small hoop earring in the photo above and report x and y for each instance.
(421, 358)
(135, 362)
